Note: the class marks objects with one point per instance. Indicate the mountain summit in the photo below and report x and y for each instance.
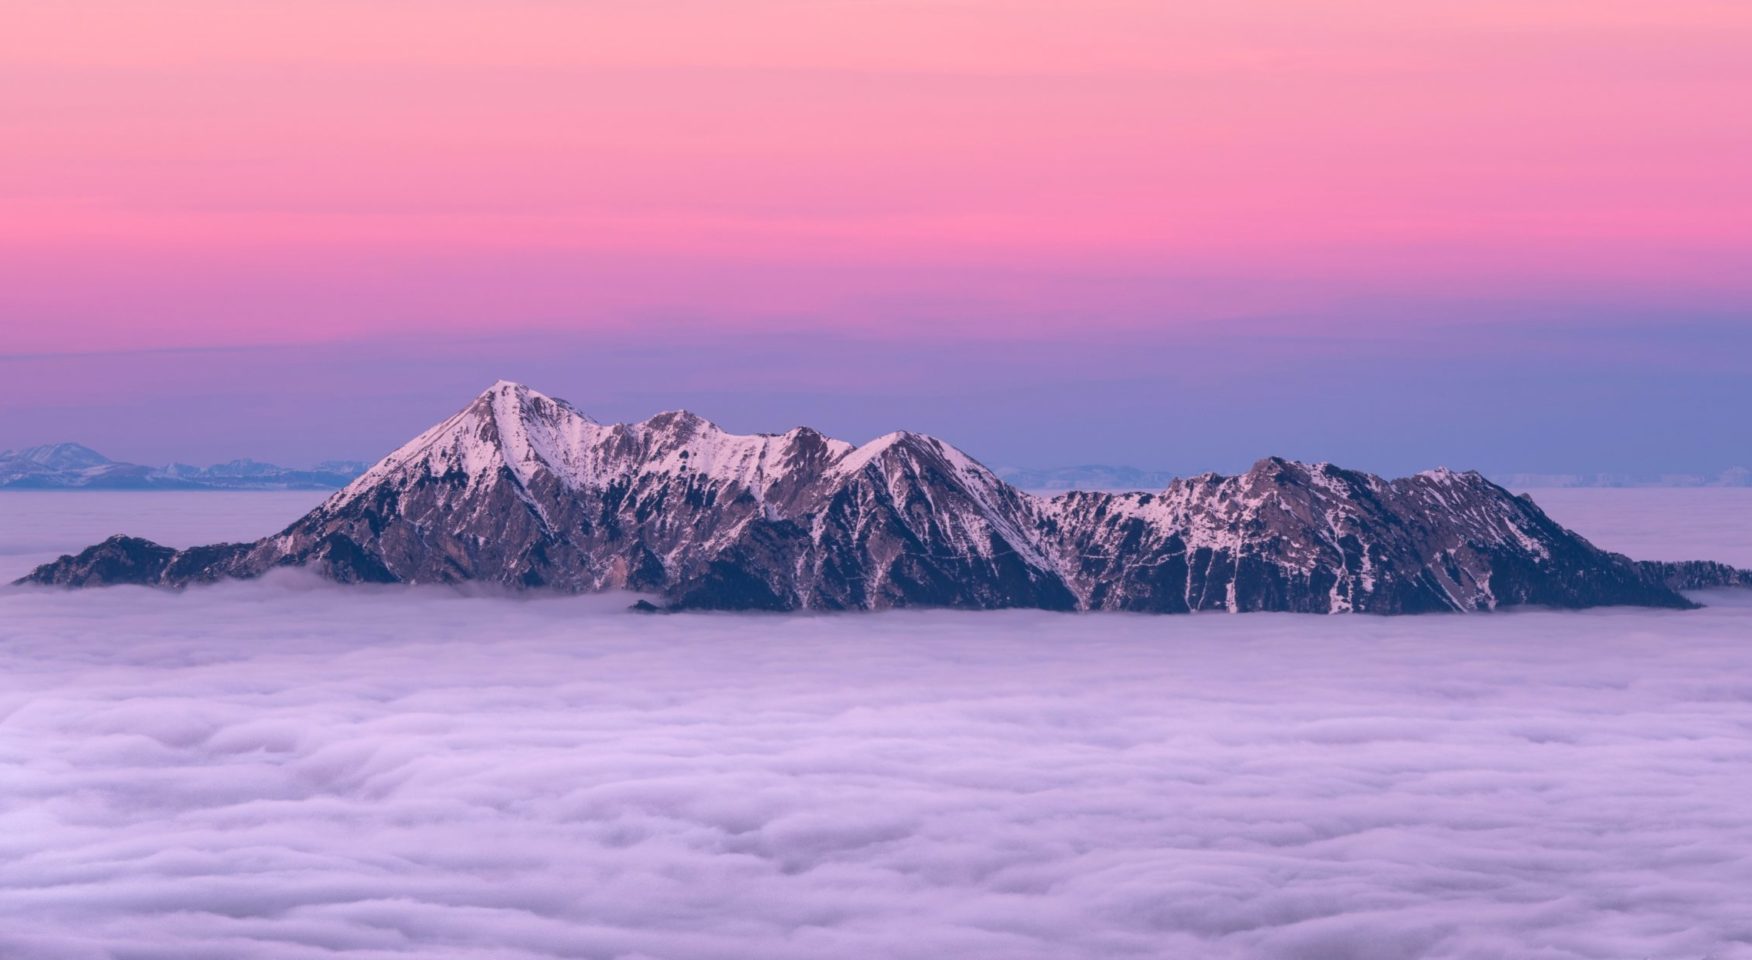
(525, 490)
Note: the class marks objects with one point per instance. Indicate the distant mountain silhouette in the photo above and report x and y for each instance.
(72, 466)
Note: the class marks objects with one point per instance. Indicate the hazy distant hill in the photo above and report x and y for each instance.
(73, 466)
(1732, 477)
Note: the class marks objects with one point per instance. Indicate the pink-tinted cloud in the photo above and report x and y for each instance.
(288, 770)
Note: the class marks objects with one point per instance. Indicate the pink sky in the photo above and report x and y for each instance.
(215, 173)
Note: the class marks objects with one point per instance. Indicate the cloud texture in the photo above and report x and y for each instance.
(286, 770)
(1659, 523)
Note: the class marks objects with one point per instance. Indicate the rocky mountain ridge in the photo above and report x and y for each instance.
(524, 490)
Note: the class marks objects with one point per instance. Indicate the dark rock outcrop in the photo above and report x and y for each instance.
(1693, 574)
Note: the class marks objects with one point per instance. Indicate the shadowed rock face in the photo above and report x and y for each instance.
(522, 490)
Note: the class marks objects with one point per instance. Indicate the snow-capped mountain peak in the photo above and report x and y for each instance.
(523, 489)
(508, 426)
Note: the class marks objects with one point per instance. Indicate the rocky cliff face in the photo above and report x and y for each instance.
(1317, 538)
(523, 490)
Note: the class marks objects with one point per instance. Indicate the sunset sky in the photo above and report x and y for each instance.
(1182, 235)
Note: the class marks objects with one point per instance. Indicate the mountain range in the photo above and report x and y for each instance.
(72, 466)
(524, 490)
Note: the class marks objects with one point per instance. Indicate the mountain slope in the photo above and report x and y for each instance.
(1318, 538)
(526, 491)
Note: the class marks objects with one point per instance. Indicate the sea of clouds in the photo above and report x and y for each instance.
(288, 770)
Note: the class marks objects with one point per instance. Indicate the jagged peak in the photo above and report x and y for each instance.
(500, 393)
(1279, 466)
(683, 423)
(1278, 470)
(508, 424)
(861, 456)
(530, 432)
(1275, 468)
(508, 398)
(903, 445)
(1268, 465)
(801, 441)
(1443, 476)
(1445, 473)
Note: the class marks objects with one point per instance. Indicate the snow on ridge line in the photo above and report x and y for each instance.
(514, 426)
(531, 431)
(857, 458)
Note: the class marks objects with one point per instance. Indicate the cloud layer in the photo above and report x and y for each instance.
(286, 770)
(1659, 523)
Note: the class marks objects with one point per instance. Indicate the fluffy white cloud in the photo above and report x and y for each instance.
(285, 770)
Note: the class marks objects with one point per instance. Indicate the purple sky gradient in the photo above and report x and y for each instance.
(1553, 389)
(1181, 236)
